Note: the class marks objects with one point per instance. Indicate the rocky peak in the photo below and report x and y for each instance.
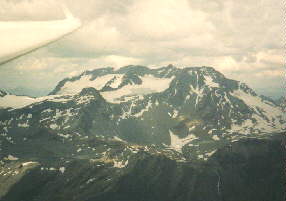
(90, 91)
(3, 93)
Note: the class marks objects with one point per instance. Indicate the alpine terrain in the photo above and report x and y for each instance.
(141, 134)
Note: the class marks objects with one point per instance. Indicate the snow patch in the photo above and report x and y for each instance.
(139, 114)
(23, 125)
(90, 180)
(13, 101)
(150, 84)
(16, 102)
(209, 82)
(215, 137)
(64, 135)
(118, 139)
(11, 158)
(266, 115)
(74, 87)
(29, 163)
(62, 170)
(120, 164)
(178, 143)
(53, 126)
(210, 153)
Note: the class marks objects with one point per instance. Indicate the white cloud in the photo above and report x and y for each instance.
(240, 38)
(163, 20)
(114, 61)
(30, 10)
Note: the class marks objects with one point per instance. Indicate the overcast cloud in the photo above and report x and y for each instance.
(242, 39)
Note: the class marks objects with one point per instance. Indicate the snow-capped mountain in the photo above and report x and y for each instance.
(11, 101)
(112, 134)
(179, 108)
(220, 102)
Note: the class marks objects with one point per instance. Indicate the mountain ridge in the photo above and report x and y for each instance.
(180, 108)
(136, 133)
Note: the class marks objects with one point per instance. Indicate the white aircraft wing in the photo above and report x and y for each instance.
(20, 37)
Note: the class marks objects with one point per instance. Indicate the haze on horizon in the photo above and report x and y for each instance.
(240, 39)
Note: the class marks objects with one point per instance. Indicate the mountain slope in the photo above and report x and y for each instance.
(250, 170)
(193, 110)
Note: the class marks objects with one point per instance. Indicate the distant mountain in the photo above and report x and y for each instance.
(9, 100)
(109, 126)
(31, 92)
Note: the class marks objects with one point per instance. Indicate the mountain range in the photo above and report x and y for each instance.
(123, 124)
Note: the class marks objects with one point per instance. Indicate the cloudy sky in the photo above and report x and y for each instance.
(242, 39)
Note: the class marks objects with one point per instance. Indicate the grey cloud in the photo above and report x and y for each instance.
(231, 35)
